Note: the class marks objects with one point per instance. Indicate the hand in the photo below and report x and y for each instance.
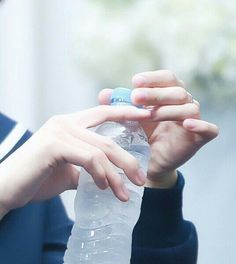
(45, 165)
(175, 131)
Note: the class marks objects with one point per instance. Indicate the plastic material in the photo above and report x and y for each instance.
(102, 232)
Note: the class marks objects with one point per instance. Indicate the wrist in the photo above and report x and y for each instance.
(165, 180)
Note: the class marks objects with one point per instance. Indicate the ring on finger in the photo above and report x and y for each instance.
(191, 99)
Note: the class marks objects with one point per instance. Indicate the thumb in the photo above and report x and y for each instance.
(207, 131)
(63, 178)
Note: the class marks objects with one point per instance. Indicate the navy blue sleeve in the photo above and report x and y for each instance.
(38, 232)
(161, 235)
(56, 233)
(34, 234)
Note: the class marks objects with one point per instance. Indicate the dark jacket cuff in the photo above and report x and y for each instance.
(161, 221)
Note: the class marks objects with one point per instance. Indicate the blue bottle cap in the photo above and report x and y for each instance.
(121, 96)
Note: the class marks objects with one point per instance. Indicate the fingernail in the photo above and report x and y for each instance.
(190, 124)
(142, 176)
(139, 80)
(125, 192)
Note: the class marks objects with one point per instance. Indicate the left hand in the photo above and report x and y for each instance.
(175, 131)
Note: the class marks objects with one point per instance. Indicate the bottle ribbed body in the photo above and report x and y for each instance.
(102, 232)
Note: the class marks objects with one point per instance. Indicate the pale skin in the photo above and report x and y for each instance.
(175, 131)
(45, 165)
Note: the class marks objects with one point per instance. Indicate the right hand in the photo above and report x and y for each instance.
(45, 165)
(175, 132)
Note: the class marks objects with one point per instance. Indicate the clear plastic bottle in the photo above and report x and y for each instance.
(102, 232)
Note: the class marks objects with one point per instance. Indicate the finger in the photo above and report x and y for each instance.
(181, 83)
(79, 153)
(116, 154)
(161, 78)
(104, 96)
(116, 184)
(159, 96)
(207, 131)
(112, 179)
(176, 112)
(98, 166)
(63, 178)
(99, 114)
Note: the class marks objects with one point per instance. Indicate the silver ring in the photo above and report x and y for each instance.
(190, 98)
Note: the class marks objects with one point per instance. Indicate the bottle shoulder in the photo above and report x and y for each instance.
(119, 128)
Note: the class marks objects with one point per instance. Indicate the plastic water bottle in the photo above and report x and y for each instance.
(102, 233)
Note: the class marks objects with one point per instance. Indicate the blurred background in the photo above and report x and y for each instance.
(56, 55)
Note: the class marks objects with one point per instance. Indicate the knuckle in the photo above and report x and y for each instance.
(88, 159)
(101, 178)
(109, 143)
(115, 182)
(54, 150)
(103, 186)
(98, 155)
(133, 163)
